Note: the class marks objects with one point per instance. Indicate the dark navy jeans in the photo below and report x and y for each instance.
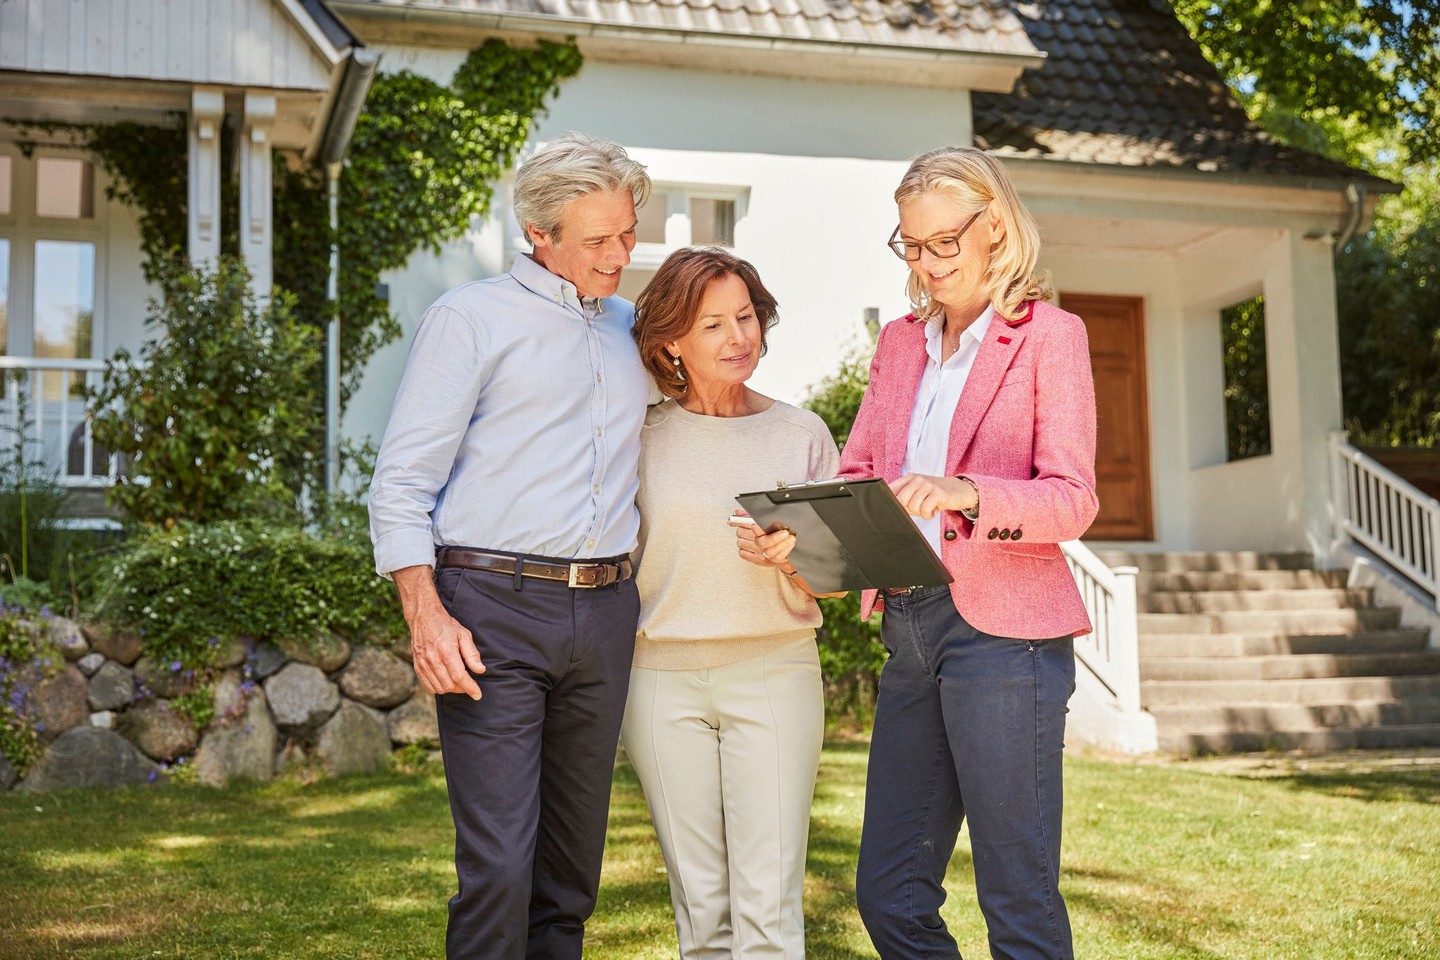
(529, 764)
(966, 726)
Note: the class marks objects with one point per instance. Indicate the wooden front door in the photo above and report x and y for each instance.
(1122, 456)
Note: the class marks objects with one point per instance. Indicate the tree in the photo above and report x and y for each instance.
(1357, 82)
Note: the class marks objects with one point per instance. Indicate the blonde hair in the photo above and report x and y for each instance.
(568, 168)
(974, 179)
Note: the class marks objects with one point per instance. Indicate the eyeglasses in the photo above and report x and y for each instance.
(942, 247)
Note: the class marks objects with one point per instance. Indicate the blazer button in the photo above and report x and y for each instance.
(1004, 534)
(950, 534)
(1016, 535)
(994, 532)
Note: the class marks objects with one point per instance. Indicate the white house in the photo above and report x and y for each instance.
(780, 127)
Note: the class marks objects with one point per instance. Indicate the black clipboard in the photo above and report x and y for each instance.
(849, 535)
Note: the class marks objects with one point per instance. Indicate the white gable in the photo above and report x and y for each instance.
(250, 43)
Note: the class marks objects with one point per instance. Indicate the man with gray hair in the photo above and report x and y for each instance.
(503, 506)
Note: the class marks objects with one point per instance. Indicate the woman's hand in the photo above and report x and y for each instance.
(924, 496)
(765, 549)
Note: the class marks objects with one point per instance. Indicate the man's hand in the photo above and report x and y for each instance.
(924, 496)
(442, 648)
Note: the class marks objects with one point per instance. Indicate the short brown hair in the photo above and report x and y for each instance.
(668, 308)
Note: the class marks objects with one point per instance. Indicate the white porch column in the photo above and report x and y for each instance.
(256, 192)
(207, 113)
(1303, 324)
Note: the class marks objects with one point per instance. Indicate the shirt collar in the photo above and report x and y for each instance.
(541, 282)
(976, 331)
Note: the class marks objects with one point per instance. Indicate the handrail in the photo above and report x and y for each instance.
(1111, 651)
(1386, 514)
(56, 421)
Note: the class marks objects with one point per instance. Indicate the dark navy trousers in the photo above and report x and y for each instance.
(967, 725)
(529, 764)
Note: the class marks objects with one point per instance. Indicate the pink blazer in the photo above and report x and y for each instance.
(1024, 431)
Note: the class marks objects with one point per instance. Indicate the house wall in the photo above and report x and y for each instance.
(815, 166)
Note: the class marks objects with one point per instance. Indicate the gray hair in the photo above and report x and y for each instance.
(566, 169)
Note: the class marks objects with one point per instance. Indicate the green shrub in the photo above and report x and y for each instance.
(32, 499)
(189, 589)
(215, 417)
(851, 654)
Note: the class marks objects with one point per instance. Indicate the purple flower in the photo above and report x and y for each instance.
(175, 666)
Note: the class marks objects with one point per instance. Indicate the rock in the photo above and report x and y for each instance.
(232, 653)
(8, 774)
(377, 678)
(301, 697)
(266, 660)
(121, 646)
(89, 757)
(326, 650)
(67, 636)
(91, 662)
(112, 687)
(167, 680)
(242, 747)
(60, 703)
(414, 720)
(103, 719)
(160, 731)
(353, 741)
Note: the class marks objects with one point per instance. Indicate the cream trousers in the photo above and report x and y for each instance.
(727, 757)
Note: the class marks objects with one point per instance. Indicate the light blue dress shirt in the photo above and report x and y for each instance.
(516, 426)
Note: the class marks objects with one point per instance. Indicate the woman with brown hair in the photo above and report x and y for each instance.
(725, 716)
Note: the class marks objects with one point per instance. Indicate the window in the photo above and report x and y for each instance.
(1247, 381)
(50, 281)
(683, 216)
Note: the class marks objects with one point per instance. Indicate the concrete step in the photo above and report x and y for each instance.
(1397, 640)
(1291, 666)
(1161, 693)
(1242, 580)
(1309, 622)
(1263, 718)
(1206, 562)
(1360, 738)
(1222, 601)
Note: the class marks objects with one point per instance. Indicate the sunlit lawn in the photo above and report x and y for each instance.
(1161, 860)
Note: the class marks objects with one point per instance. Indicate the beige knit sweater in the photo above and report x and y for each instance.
(700, 604)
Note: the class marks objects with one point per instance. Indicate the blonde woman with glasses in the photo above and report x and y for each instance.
(980, 412)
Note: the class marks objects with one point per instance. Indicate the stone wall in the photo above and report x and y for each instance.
(110, 716)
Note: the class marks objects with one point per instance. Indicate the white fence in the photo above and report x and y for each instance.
(1112, 650)
(43, 400)
(1384, 513)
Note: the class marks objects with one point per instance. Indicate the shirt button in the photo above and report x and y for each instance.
(994, 532)
(589, 543)
(1004, 534)
(1016, 535)
(599, 378)
(559, 298)
(599, 432)
(950, 534)
(596, 488)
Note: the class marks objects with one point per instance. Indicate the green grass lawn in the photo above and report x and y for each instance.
(1204, 860)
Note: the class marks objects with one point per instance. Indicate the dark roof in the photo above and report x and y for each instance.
(1124, 84)
(335, 31)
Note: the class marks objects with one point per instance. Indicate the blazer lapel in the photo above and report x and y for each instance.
(910, 369)
(1002, 342)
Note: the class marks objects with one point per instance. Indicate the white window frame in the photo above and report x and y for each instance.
(23, 229)
(678, 228)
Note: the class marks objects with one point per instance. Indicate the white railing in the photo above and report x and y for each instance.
(1111, 651)
(50, 395)
(1390, 517)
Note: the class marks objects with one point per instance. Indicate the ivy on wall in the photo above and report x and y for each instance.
(422, 164)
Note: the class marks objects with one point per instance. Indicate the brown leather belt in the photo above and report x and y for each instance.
(581, 574)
